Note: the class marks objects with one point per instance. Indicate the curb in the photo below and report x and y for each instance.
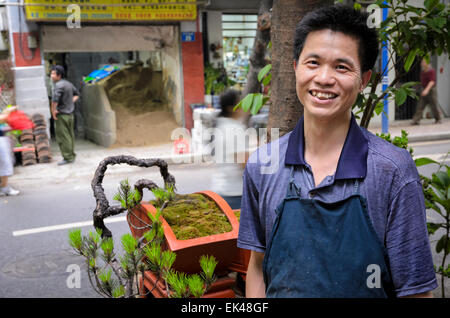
(429, 137)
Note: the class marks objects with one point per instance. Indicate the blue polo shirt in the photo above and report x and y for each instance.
(388, 180)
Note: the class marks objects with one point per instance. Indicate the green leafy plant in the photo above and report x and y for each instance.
(437, 198)
(436, 192)
(127, 197)
(413, 33)
(162, 195)
(208, 265)
(211, 75)
(255, 101)
(216, 80)
(401, 142)
(196, 285)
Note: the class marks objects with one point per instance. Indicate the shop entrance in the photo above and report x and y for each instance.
(131, 106)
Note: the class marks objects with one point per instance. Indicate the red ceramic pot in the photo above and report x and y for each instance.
(220, 289)
(221, 246)
(240, 262)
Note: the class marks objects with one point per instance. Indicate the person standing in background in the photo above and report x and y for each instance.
(64, 96)
(230, 150)
(427, 94)
(6, 158)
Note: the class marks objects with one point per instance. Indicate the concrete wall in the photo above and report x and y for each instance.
(214, 21)
(30, 88)
(99, 118)
(171, 76)
(443, 80)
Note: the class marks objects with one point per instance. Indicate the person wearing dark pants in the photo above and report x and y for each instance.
(63, 105)
(427, 94)
(65, 137)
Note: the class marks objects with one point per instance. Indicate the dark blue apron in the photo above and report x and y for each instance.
(320, 249)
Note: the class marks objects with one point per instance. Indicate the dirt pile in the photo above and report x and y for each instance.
(144, 129)
(142, 118)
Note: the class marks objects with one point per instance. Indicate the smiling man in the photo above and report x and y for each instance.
(344, 216)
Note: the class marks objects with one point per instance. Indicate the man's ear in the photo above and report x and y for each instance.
(365, 78)
(295, 65)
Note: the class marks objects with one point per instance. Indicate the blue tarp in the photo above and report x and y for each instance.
(103, 72)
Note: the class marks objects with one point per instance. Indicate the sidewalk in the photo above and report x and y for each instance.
(89, 155)
(426, 131)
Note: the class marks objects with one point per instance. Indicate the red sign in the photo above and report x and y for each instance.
(181, 146)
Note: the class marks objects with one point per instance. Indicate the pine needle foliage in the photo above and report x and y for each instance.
(116, 276)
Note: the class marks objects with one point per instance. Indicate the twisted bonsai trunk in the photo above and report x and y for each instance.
(103, 209)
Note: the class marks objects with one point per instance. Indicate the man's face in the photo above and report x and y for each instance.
(54, 76)
(328, 75)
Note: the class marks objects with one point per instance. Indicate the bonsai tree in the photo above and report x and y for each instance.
(118, 276)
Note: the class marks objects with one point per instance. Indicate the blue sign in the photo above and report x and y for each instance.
(187, 36)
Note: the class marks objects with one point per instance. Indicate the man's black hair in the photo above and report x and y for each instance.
(228, 98)
(59, 70)
(345, 19)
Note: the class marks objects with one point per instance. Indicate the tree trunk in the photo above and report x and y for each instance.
(257, 59)
(285, 108)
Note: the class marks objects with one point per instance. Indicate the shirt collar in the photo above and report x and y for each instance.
(352, 161)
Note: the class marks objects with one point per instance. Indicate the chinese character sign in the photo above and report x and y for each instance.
(112, 10)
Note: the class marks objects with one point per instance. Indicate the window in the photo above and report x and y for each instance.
(238, 32)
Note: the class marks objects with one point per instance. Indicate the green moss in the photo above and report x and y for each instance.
(237, 213)
(194, 215)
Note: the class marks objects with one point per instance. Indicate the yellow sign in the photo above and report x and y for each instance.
(111, 10)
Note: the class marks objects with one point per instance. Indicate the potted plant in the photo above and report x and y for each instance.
(211, 75)
(142, 217)
(190, 246)
(126, 276)
(216, 82)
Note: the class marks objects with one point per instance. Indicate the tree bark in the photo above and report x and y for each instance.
(285, 108)
(103, 209)
(257, 59)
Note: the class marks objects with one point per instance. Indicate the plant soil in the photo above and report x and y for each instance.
(142, 117)
(195, 215)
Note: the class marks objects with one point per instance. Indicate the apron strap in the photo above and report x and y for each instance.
(293, 189)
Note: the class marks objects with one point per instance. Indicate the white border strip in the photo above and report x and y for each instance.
(64, 226)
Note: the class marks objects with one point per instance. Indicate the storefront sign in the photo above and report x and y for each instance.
(112, 10)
